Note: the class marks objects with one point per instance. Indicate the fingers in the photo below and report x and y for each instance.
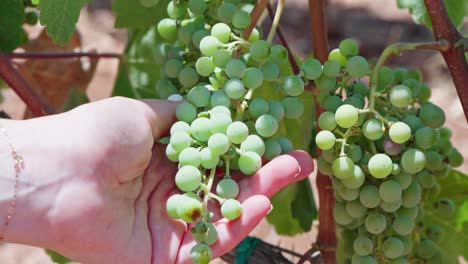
(230, 233)
(161, 117)
(278, 173)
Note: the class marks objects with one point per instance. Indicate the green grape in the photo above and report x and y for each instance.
(270, 71)
(326, 121)
(413, 161)
(325, 83)
(276, 109)
(220, 123)
(197, 7)
(357, 66)
(225, 12)
(392, 247)
(340, 214)
(188, 77)
(348, 47)
(160, 52)
(325, 140)
(212, 235)
(209, 45)
(167, 28)
(445, 208)
(189, 209)
(403, 179)
(399, 132)
(400, 96)
(253, 143)
(241, 19)
(390, 191)
(259, 50)
(425, 137)
(237, 132)
(293, 85)
(432, 115)
(234, 88)
(200, 129)
(266, 125)
(360, 88)
(199, 232)
(403, 225)
(199, 96)
(332, 103)
(413, 122)
(363, 245)
(253, 78)
(254, 36)
(373, 129)
(180, 140)
(424, 94)
(346, 193)
(444, 145)
(426, 249)
(172, 154)
(330, 155)
(356, 209)
(293, 107)
(391, 207)
(324, 167)
(356, 259)
(355, 100)
(343, 167)
(258, 107)
(186, 34)
(335, 55)
(278, 54)
(407, 244)
(190, 156)
(218, 143)
(356, 179)
(386, 77)
(286, 145)
(180, 126)
(221, 58)
(227, 189)
(346, 116)
(231, 209)
(188, 178)
(411, 196)
(435, 232)
(312, 68)
(445, 132)
(220, 110)
(201, 254)
(250, 162)
(331, 69)
(455, 158)
(414, 85)
(433, 160)
(235, 69)
(272, 149)
(220, 98)
(375, 223)
(380, 165)
(172, 68)
(176, 11)
(396, 169)
(209, 160)
(172, 204)
(369, 196)
(222, 32)
(204, 66)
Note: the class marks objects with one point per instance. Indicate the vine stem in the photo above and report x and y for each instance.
(454, 56)
(395, 49)
(23, 89)
(276, 19)
(255, 16)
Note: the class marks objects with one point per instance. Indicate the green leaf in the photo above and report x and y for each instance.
(281, 216)
(59, 17)
(56, 257)
(131, 14)
(455, 240)
(75, 98)
(303, 205)
(12, 15)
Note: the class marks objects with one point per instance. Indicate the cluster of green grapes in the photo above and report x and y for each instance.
(221, 127)
(386, 149)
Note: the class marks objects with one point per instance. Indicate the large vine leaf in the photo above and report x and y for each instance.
(457, 10)
(455, 240)
(132, 14)
(12, 15)
(60, 17)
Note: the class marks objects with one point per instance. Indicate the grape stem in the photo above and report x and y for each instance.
(207, 190)
(214, 196)
(395, 49)
(275, 23)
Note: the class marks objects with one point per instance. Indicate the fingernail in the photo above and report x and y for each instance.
(271, 209)
(299, 170)
(175, 98)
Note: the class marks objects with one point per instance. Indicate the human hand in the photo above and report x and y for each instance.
(100, 192)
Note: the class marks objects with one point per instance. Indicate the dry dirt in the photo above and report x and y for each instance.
(373, 23)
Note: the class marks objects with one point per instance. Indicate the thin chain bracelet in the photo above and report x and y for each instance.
(19, 165)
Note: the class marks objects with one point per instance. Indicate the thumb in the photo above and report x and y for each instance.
(162, 115)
